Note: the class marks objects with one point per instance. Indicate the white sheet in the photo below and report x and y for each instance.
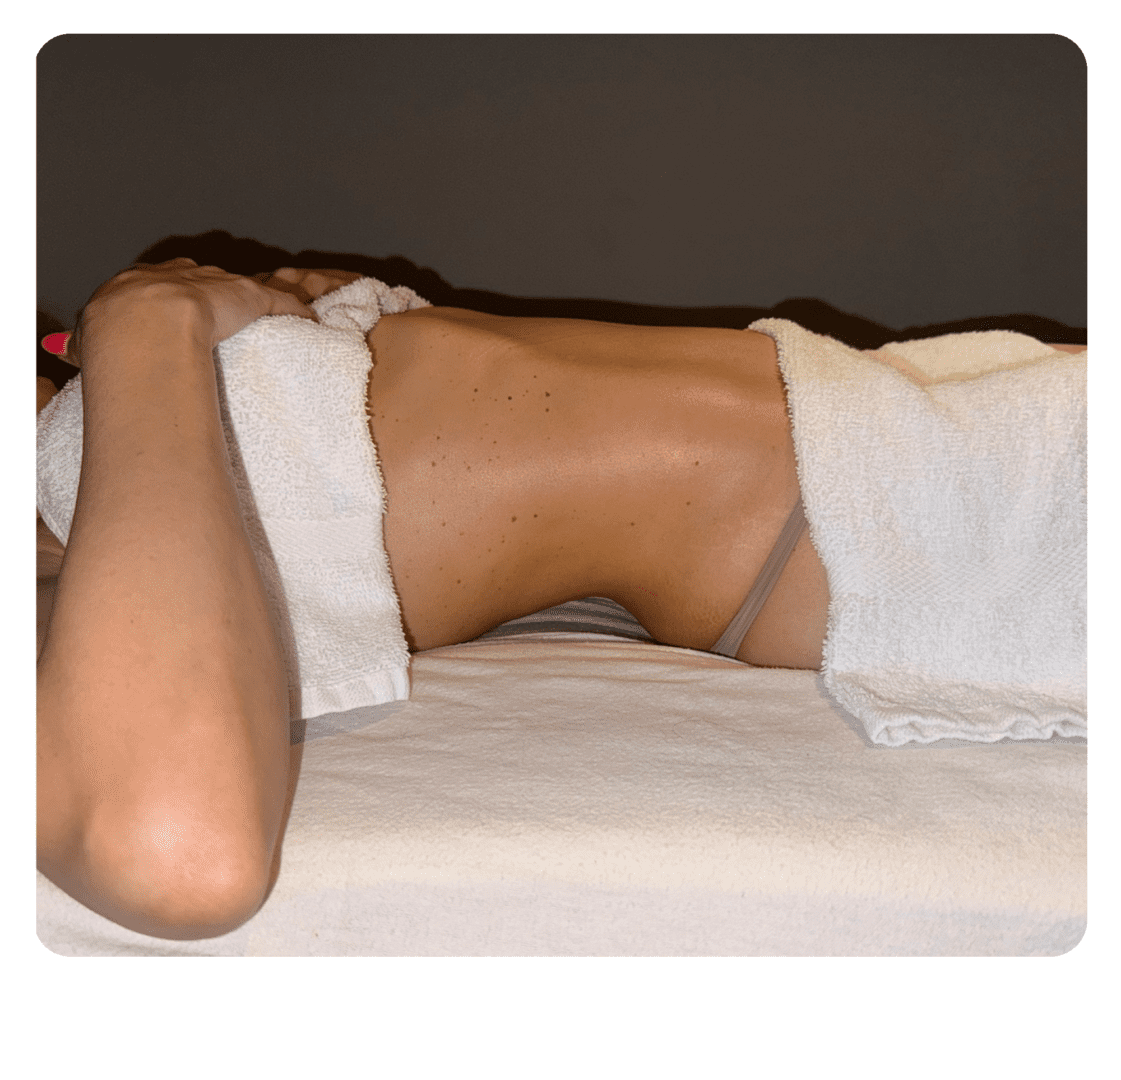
(577, 795)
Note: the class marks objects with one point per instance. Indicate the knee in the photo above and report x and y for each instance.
(167, 874)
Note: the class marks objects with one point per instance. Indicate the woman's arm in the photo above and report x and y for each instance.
(163, 740)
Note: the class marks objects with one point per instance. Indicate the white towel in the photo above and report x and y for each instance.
(293, 402)
(951, 521)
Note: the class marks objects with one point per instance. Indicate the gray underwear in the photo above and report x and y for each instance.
(732, 638)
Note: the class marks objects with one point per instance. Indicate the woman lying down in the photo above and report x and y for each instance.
(289, 482)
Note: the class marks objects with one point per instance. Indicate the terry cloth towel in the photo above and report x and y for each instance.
(948, 506)
(293, 405)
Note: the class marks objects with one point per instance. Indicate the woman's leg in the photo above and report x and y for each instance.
(163, 744)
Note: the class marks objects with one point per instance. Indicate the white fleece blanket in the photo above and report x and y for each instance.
(293, 400)
(949, 511)
(560, 795)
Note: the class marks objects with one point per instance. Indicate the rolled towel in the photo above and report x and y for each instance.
(293, 405)
(949, 511)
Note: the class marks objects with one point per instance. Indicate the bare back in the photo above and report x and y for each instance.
(532, 461)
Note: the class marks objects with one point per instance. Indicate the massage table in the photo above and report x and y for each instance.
(566, 786)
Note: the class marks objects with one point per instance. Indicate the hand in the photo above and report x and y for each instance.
(307, 285)
(45, 389)
(218, 303)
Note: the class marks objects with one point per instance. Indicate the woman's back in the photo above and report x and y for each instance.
(530, 461)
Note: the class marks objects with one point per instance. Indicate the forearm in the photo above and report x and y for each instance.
(162, 690)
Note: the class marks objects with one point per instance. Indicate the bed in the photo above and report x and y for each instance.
(566, 786)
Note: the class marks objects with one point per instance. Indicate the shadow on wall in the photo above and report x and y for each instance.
(241, 255)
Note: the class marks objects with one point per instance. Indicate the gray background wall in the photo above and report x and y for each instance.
(906, 179)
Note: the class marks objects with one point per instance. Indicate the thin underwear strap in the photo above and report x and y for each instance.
(732, 638)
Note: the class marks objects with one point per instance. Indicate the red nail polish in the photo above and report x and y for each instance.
(56, 343)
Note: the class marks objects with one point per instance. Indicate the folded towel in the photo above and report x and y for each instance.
(293, 405)
(950, 516)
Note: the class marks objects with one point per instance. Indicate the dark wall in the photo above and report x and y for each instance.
(905, 179)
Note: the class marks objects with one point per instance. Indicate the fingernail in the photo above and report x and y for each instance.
(56, 343)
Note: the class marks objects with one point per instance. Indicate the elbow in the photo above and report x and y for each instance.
(188, 890)
(164, 873)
